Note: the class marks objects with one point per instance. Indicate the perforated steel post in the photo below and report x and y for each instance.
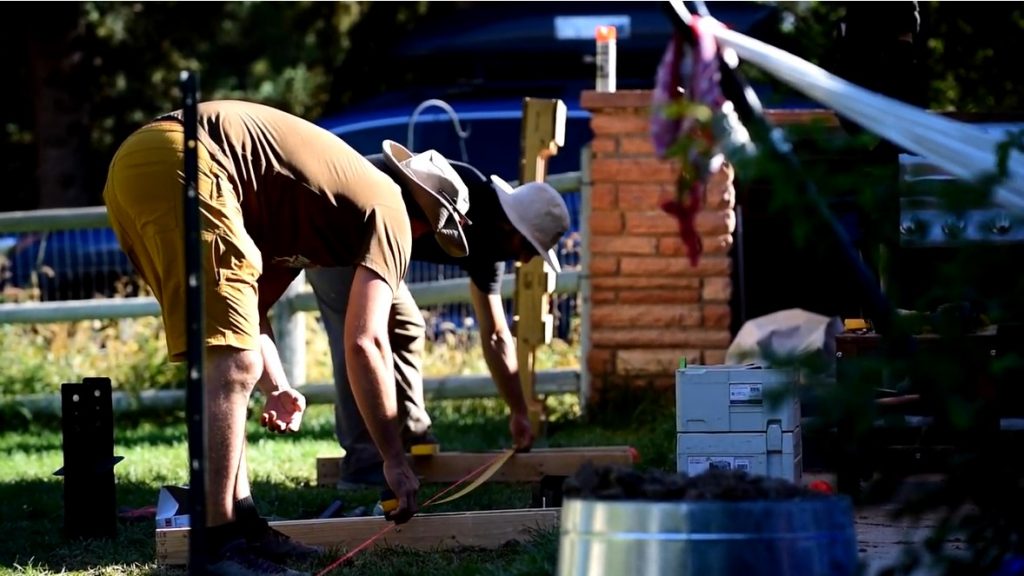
(194, 314)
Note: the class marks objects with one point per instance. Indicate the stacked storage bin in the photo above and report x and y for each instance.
(738, 417)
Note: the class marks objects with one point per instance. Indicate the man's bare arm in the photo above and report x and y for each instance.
(499, 348)
(272, 284)
(371, 370)
(499, 351)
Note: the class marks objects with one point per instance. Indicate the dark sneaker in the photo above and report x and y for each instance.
(238, 559)
(370, 476)
(277, 546)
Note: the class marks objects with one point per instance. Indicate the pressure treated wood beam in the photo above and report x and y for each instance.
(525, 467)
(489, 529)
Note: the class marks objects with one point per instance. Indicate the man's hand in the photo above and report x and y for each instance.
(283, 411)
(404, 484)
(522, 434)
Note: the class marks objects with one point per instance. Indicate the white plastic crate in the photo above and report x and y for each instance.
(730, 398)
(774, 454)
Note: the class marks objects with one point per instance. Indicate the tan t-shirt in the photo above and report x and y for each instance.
(307, 198)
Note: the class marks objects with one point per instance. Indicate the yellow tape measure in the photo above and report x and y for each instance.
(389, 501)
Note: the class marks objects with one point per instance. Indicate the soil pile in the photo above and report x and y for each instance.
(619, 483)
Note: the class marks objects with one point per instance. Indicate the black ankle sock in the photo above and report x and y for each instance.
(245, 509)
(247, 516)
(217, 537)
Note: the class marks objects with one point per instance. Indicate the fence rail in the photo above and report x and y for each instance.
(452, 291)
(289, 326)
(47, 220)
(473, 386)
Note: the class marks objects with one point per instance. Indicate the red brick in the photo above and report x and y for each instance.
(711, 246)
(603, 196)
(671, 246)
(716, 289)
(604, 265)
(662, 296)
(711, 222)
(650, 222)
(604, 296)
(714, 357)
(619, 123)
(604, 145)
(655, 361)
(681, 283)
(662, 266)
(636, 145)
(717, 316)
(645, 315)
(631, 245)
(660, 338)
(716, 245)
(632, 170)
(605, 222)
(601, 102)
(720, 195)
(600, 361)
(640, 196)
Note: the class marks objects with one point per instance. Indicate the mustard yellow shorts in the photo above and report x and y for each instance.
(145, 202)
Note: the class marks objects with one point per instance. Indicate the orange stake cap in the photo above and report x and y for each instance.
(605, 33)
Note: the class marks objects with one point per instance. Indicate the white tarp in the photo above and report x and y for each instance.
(966, 151)
(788, 333)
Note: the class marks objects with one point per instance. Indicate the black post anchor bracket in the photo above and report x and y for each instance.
(87, 422)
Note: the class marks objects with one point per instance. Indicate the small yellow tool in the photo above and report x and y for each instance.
(852, 324)
(424, 449)
(388, 502)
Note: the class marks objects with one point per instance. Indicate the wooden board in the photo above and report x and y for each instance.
(490, 529)
(526, 467)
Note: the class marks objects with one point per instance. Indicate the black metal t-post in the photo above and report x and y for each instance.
(194, 315)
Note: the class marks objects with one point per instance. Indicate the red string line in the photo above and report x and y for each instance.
(387, 528)
(351, 553)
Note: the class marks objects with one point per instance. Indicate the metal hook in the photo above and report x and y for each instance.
(462, 134)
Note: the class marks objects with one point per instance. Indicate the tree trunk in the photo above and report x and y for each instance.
(62, 129)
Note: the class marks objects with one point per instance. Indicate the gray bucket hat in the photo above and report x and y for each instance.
(439, 191)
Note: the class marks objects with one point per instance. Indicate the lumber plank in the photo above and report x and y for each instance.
(487, 529)
(523, 468)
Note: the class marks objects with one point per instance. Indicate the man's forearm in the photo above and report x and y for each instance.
(273, 378)
(371, 371)
(499, 351)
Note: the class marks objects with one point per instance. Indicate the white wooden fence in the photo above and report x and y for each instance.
(287, 315)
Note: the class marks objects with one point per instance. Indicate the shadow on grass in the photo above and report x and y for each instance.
(32, 522)
(31, 511)
(643, 417)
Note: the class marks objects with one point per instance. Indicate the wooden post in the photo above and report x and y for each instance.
(542, 135)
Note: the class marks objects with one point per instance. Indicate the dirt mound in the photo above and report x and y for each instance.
(619, 483)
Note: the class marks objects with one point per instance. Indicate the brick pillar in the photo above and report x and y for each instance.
(649, 305)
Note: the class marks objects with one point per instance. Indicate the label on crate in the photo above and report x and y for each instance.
(745, 393)
(699, 464)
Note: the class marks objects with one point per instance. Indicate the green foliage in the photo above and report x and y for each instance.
(935, 360)
(37, 358)
(124, 58)
(969, 54)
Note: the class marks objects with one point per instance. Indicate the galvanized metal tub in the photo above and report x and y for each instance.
(809, 537)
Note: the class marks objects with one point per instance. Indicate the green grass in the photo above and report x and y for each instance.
(283, 475)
